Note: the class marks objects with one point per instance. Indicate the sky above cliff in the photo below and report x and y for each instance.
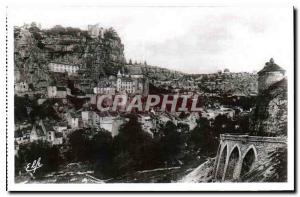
(188, 39)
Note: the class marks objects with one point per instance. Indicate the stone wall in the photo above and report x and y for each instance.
(265, 81)
(270, 114)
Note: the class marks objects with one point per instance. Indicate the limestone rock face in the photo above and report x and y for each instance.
(270, 114)
(158, 73)
(35, 48)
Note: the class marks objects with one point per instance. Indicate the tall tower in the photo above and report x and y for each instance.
(269, 75)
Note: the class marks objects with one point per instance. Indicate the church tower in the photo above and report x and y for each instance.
(119, 80)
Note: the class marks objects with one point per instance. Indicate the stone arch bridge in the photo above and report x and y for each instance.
(239, 154)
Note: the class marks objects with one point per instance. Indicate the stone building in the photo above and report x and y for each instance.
(21, 87)
(22, 134)
(58, 92)
(104, 90)
(63, 68)
(87, 118)
(95, 31)
(133, 82)
(55, 138)
(270, 113)
(38, 132)
(240, 154)
(105, 120)
(269, 75)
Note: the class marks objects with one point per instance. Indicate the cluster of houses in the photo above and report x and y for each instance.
(130, 82)
(56, 133)
(26, 133)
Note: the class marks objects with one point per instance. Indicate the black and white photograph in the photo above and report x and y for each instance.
(150, 98)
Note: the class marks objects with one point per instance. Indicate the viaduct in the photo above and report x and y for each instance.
(239, 154)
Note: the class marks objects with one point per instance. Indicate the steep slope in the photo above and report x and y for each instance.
(35, 48)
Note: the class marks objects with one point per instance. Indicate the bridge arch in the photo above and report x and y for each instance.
(232, 167)
(217, 159)
(248, 160)
(222, 162)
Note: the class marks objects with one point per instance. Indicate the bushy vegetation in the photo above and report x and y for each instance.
(27, 109)
(205, 136)
(133, 149)
(49, 155)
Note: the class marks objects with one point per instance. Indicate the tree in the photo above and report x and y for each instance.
(172, 143)
(111, 34)
(20, 108)
(204, 138)
(222, 124)
(81, 146)
(49, 155)
(102, 154)
(134, 148)
(33, 24)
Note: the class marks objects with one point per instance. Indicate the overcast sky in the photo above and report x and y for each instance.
(188, 39)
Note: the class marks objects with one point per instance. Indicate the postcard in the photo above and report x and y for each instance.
(150, 98)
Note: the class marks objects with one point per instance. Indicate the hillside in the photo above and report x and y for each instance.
(101, 55)
(35, 48)
(97, 57)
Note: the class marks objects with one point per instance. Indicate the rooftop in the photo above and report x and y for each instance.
(60, 88)
(269, 67)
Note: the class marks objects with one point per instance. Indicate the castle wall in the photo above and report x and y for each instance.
(269, 78)
(270, 113)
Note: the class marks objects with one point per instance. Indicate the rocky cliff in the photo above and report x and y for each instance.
(34, 48)
(97, 57)
(270, 114)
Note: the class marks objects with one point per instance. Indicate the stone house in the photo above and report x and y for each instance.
(55, 138)
(38, 131)
(61, 127)
(108, 121)
(63, 68)
(147, 123)
(21, 87)
(132, 83)
(58, 92)
(22, 135)
(104, 90)
(87, 118)
(73, 120)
